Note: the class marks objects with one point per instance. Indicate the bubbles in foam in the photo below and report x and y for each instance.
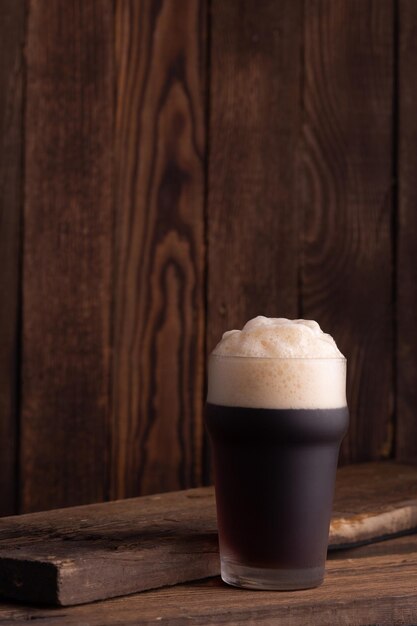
(278, 337)
(313, 374)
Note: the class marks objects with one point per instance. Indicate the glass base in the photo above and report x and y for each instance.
(239, 575)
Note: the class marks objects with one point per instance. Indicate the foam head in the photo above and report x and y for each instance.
(277, 363)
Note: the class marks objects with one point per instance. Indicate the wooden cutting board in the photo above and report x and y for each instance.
(75, 555)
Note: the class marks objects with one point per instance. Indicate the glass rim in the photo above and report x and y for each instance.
(279, 358)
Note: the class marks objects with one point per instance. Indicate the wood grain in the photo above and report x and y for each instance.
(159, 294)
(372, 501)
(406, 400)
(346, 204)
(299, 221)
(370, 585)
(135, 544)
(67, 253)
(12, 28)
(155, 541)
(254, 126)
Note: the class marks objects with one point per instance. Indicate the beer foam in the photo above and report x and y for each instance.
(277, 363)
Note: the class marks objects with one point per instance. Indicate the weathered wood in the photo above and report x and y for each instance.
(12, 27)
(370, 585)
(345, 185)
(159, 295)
(134, 545)
(406, 276)
(99, 551)
(67, 253)
(254, 128)
(373, 500)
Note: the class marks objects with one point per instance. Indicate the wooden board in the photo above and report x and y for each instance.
(254, 126)
(159, 322)
(12, 28)
(76, 555)
(67, 261)
(406, 233)
(375, 584)
(345, 204)
(373, 500)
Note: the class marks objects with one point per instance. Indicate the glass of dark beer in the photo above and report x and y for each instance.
(275, 426)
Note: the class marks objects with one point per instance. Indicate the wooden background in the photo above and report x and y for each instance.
(168, 169)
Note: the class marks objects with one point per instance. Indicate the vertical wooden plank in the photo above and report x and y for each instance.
(406, 434)
(67, 253)
(159, 301)
(254, 127)
(346, 201)
(12, 26)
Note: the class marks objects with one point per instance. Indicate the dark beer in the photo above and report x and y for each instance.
(276, 415)
(274, 475)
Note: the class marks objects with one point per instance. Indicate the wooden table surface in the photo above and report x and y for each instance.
(374, 584)
(100, 551)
